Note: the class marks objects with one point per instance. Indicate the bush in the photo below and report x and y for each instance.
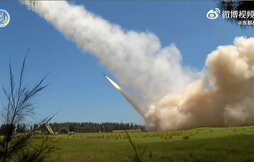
(186, 137)
(64, 131)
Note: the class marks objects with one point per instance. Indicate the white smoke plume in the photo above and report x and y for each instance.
(221, 95)
(135, 59)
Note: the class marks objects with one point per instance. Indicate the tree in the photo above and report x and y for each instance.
(18, 107)
(21, 128)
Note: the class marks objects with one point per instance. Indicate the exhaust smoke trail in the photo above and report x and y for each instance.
(136, 59)
(177, 98)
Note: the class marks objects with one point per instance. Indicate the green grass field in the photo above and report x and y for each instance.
(202, 144)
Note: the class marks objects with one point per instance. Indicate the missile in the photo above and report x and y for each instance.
(126, 96)
(113, 83)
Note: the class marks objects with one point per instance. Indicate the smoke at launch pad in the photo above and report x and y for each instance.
(176, 98)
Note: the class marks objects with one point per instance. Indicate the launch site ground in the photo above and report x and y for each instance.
(202, 144)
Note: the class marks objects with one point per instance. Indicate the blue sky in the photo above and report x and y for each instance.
(78, 90)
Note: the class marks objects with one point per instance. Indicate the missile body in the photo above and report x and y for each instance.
(126, 96)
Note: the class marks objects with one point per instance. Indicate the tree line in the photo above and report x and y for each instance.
(78, 127)
(87, 127)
